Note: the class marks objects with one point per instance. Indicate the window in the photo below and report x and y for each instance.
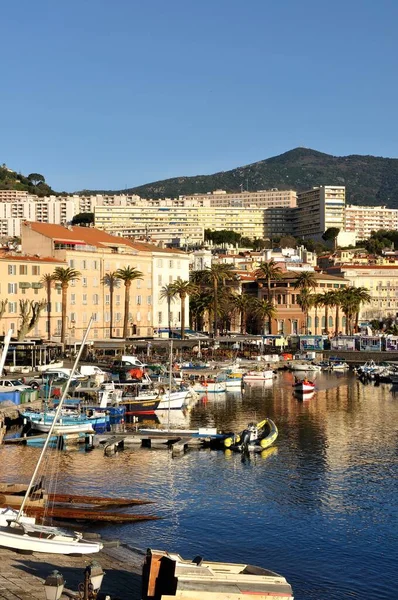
(149, 300)
(171, 264)
(12, 269)
(84, 317)
(138, 316)
(160, 317)
(35, 270)
(118, 317)
(159, 280)
(139, 300)
(107, 317)
(72, 319)
(95, 282)
(73, 298)
(117, 299)
(107, 298)
(84, 298)
(107, 266)
(160, 262)
(170, 278)
(149, 315)
(84, 264)
(12, 307)
(84, 281)
(95, 265)
(23, 269)
(95, 333)
(58, 307)
(138, 283)
(95, 299)
(73, 282)
(12, 288)
(95, 317)
(178, 264)
(72, 263)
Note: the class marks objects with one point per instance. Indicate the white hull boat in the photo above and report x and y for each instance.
(233, 383)
(258, 376)
(64, 429)
(209, 387)
(176, 401)
(38, 538)
(304, 367)
(304, 387)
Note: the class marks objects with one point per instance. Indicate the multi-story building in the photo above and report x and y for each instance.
(319, 209)
(18, 207)
(20, 277)
(364, 219)
(261, 199)
(94, 253)
(381, 281)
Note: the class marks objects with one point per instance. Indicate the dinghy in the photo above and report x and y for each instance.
(255, 438)
(304, 386)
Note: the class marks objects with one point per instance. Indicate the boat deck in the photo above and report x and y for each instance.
(22, 577)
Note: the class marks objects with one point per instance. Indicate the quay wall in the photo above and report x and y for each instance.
(357, 357)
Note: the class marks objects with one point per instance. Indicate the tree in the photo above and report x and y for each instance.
(317, 302)
(183, 289)
(288, 241)
(30, 314)
(331, 235)
(328, 301)
(64, 275)
(305, 300)
(3, 306)
(36, 178)
(218, 273)
(127, 275)
(361, 296)
(200, 303)
(305, 280)
(242, 303)
(112, 281)
(84, 219)
(47, 280)
(263, 309)
(269, 271)
(168, 293)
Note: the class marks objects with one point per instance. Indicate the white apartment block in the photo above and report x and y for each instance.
(319, 209)
(262, 198)
(362, 220)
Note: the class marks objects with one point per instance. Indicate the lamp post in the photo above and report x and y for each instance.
(87, 590)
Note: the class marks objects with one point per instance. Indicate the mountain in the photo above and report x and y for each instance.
(33, 183)
(370, 180)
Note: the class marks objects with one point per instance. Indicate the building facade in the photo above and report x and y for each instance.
(319, 209)
(362, 220)
(95, 253)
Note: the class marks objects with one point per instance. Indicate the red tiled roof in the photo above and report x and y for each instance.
(92, 237)
(29, 258)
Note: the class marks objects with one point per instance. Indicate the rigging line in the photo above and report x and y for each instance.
(56, 417)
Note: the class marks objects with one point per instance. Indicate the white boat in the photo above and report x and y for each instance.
(9, 514)
(339, 365)
(175, 401)
(18, 534)
(258, 375)
(304, 386)
(209, 387)
(304, 367)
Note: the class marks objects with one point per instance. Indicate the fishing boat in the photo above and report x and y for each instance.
(265, 375)
(28, 537)
(255, 438)
(209, 386)
(72, 423)
(304, 386)
(305, 367)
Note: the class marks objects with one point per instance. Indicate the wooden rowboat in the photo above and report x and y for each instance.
(81, 514)
(98, 500)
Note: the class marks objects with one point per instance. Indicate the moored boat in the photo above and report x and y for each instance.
(304, 386)
(255, 438)
(207, 386)
(265, 375)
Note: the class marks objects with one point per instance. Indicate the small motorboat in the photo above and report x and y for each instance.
(265, 375)
(305, 367)
(304, 386)
(209, 386)
(255, 438)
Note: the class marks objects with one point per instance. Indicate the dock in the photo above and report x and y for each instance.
(177, 441)
(22, 577)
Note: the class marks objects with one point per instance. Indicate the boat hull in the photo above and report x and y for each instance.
(260, 376)
(209, 387)
(304, 388)
(60, 544)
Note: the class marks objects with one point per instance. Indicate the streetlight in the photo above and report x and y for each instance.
(54, 586)
(87, 590)
(93, 576)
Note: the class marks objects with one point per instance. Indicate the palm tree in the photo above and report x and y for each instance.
(241, 304)
(305, 280)
(112, 281)
(317, 302)
(305, 300)
(127, 275)
(328, 301)
(362, 297)
(168, 293)
(218, 273)
(47, 280)
(337, 304)
(64, 275)
(200, 303)
(264, 310)
(183, 289)
(270, 272)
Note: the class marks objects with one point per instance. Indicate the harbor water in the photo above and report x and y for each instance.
(320, 507)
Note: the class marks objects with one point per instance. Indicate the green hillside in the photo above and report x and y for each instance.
(370, 180)
(33, 183)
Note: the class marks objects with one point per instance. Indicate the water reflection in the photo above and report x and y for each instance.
(319, 507)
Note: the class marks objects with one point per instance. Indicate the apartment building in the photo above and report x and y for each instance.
(364, 219)
(261, 199)
(380, 280)
(20, 279)
(94, 253)
(319, 209)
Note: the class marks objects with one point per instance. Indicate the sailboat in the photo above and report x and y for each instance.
(22, 533)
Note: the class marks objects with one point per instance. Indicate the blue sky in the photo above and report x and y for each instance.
(101, 94)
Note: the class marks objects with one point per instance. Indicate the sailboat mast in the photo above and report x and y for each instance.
(170, 376)
(53, 424)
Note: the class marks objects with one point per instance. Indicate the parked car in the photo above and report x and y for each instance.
(49, 377)
(13, 385)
